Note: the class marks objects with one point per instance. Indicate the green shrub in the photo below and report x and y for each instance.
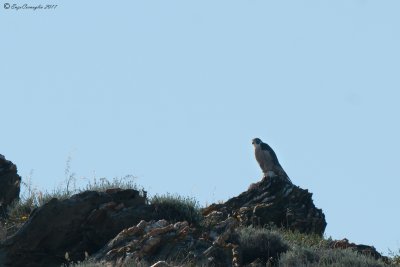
(177, 208)
(313, 257)
(295, 238)
(260, 243)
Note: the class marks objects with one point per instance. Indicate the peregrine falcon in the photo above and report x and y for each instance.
(267, 159)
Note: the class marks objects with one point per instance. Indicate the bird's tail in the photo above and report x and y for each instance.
(281, 173)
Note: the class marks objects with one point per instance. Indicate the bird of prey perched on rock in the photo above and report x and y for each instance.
(267, 159)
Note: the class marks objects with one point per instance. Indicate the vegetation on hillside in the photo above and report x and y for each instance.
(301, 251)
(176, 208)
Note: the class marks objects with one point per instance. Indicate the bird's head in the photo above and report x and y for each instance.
(256, 141)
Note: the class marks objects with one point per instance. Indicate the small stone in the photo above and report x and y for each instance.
(161, 264)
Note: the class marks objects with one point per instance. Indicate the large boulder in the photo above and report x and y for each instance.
(149, 242)
(275, 201)
(9, 184)
(75, 227)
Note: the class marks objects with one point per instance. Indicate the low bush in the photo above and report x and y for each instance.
(176, 208)
(260, 243)
(313, 257)
(295, 238)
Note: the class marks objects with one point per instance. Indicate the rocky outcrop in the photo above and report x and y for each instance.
(363, 249)
(77, 226)
(149, 242)
(161, 242)
(164, 244)
(274, 201)
(141, 242)
(9, 184)
(271, 201)
(119, 226)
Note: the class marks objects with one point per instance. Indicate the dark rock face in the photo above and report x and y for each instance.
(274, 200)
(82, 223)
(9, 184)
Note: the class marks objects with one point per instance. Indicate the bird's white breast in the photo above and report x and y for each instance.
(264, 159)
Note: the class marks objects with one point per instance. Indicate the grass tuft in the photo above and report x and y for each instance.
(176, 208)
(102, 184)
(295, 238)
(260, 243)
(313, 257)
(31, 198)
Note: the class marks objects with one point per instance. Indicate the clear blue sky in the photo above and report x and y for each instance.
(174, 91)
